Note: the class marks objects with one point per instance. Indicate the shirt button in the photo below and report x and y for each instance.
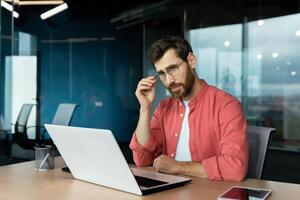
(176, 134)
(181, 115)
(180, 104)
(172, 155)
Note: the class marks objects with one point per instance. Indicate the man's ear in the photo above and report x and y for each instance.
(191, 59)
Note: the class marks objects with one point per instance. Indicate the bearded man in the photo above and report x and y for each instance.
(199, 131)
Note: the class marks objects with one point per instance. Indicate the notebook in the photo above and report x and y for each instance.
(93, 155)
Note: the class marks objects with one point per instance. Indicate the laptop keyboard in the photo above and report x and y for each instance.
(148, 182)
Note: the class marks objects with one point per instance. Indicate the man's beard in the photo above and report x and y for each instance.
(187, 86)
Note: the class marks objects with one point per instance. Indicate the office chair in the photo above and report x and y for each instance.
(63, 115)
(258, 139)
(19, 140)
(20, 136)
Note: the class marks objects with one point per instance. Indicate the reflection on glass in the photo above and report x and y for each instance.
(220, 63)
(271, 82)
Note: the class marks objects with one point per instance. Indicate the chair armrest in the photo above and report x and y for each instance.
(28, 127)
(18, 124)
(41, 131)
(41, 128)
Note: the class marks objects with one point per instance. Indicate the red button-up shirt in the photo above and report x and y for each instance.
(217, 133)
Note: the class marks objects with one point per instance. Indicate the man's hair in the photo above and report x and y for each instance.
(181, 46)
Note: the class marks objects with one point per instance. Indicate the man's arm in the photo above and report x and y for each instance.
(232, 162)
(145, 94)
(143, 128)
(145, 142)
(168, 165)
(144, 155)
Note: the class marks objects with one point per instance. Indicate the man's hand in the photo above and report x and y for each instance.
(168, 165)
(145, 92)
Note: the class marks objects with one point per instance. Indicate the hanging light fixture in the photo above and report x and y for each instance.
(10, 8)
(54, 11)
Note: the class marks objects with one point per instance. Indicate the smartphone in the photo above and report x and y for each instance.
(245, 193)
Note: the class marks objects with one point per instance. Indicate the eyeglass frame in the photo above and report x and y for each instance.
(171, 70)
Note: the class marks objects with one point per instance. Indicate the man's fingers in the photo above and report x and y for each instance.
(144, 87)
(146, 82)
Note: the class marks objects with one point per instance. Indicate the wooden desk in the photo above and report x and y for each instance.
(21, 181)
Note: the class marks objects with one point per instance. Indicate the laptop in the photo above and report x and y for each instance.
(93, 155)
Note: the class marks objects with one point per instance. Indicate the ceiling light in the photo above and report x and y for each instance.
(27, 3)
(10, 8)
(54, 11)
(260, 22)
(259, 56)
(293, 73)
(227, 43)
(298, 33)
(275, 55)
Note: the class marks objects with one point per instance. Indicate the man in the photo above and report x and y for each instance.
(200, 131)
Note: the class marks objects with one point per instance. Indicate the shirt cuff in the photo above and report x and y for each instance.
(211, 168)
(149, 146)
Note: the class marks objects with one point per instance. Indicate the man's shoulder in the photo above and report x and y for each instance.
(219, 94)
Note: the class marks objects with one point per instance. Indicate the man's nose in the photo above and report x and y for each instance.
(169, 79)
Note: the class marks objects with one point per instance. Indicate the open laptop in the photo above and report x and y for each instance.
(93, 155)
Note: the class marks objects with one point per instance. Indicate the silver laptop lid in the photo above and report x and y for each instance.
(93, 155)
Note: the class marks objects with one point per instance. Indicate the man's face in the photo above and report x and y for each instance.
(180, 84)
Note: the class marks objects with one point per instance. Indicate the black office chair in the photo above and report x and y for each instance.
(20, 127)
(258, 139)
(19, 137)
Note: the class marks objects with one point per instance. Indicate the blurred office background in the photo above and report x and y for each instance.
(94, 53)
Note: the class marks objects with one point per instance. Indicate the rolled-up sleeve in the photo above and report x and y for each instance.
(144, 155)
(232, 161)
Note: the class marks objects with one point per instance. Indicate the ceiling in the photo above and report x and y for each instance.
(209, 12)
(81, 9)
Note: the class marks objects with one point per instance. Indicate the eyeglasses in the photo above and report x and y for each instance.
(171, 70)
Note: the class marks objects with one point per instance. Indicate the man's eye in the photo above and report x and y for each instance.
(172, 68)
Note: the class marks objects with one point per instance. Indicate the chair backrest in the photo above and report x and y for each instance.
(22, 119)
(20, 136)
(258, 138)
(64, 114)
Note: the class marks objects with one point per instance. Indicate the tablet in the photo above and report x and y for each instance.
(245, 193)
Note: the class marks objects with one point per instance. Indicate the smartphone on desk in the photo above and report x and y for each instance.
(245, 193)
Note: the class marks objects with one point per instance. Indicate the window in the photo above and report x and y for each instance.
(257, 62)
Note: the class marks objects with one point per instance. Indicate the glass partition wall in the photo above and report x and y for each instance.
(258, 63)
(65, 59)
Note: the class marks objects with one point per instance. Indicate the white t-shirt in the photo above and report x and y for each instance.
(183, 148)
